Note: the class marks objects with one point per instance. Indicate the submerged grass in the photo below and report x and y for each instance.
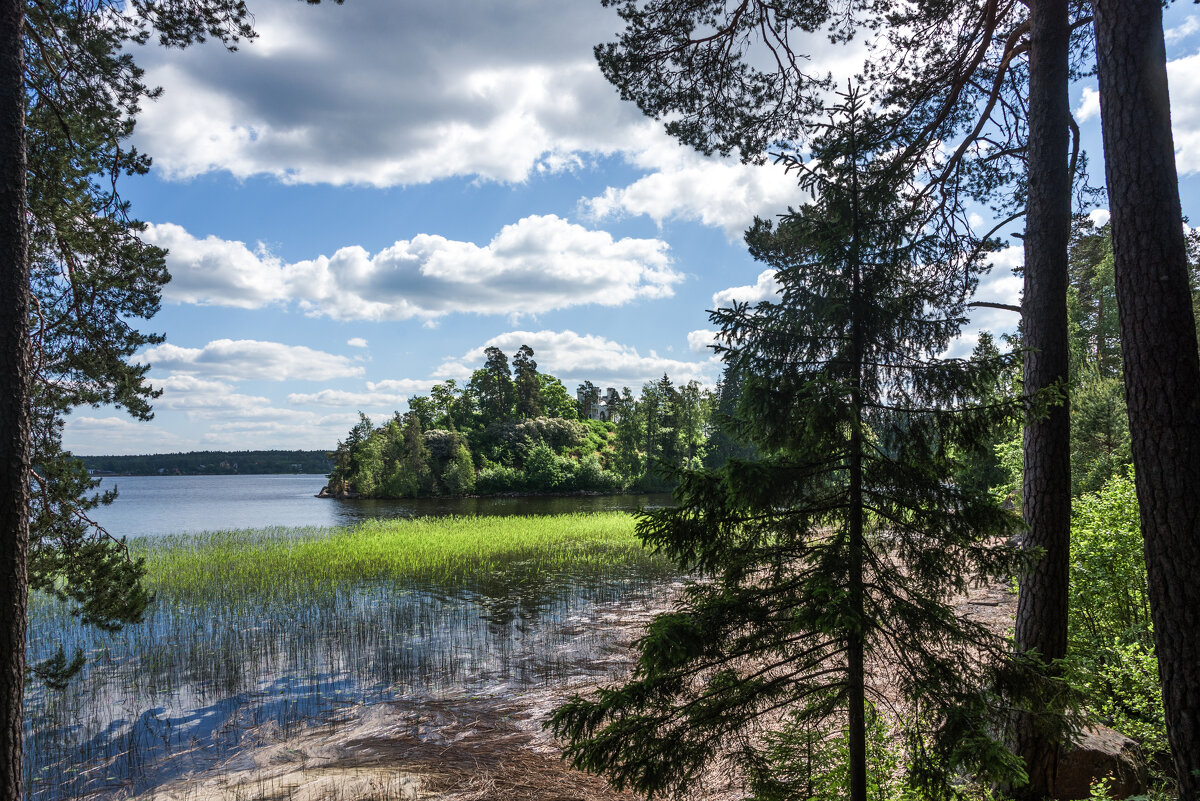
(256, 634)
(431, 551)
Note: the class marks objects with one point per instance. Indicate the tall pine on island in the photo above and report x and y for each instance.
(830, 563)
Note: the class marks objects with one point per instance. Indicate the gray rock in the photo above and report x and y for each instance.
(1101, 753)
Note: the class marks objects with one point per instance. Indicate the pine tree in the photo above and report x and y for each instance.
(588, 395)
(494, 385)
(836, 555)
(1158, 342)
(528, 386)
(85, 277)
(989, 76)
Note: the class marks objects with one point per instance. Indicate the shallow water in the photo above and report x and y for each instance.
(194, 685)
(153, 505)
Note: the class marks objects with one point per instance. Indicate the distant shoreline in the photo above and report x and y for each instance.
(102, 474)
(211, 463)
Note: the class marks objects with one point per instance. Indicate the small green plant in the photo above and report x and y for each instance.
(1111, 632)
(807, 761)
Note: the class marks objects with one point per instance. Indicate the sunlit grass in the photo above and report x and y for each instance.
(443, 551)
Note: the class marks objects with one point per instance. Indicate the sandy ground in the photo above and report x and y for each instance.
(455, 747)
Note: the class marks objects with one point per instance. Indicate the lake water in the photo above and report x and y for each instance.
(152, 505)
(204, 680)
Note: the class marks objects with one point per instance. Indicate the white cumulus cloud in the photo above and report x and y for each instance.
(720, 193)
(538, 264)
(1184, 77)
(1089, 104)
(1183, 30)
(699, 341)
(250, 359)
(764, 288)
(364, 94)
(576, 357)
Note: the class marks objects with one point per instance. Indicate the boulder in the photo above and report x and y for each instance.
(1100, 753)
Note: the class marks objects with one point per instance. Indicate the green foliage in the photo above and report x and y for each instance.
(1010, 457)
(500, 479)
(556, 401)
(459, 478)
(546, 470)
(56, 672)
(516, 449)
(92, 277)
(808, 762)
(527, 385)
(842, 547)
(1100, 444)
(1111, 633)
(494, 386)
(1092, 301)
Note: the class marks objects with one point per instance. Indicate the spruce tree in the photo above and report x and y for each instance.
(494, 385)
(830, 563)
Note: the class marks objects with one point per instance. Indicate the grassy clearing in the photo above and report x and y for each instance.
(438, 551)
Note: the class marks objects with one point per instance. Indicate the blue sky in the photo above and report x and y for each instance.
(368, 195)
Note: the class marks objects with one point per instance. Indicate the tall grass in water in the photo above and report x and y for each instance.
(266, 630)
(271, 563)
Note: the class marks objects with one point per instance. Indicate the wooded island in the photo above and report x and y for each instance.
(520, 431)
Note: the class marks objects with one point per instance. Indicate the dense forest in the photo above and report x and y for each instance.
(211, 463)
(516, 430)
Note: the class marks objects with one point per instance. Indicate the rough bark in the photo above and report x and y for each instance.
(1041, 626)
(15, 363)
(1158, 336)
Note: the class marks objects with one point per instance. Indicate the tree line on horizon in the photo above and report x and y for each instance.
(212, 463)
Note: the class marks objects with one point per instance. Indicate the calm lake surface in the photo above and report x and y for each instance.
(153, 505)
(208, 679)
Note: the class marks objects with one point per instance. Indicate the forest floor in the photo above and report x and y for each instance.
(460, 747)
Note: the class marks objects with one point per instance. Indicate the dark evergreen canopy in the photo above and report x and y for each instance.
(827, 567)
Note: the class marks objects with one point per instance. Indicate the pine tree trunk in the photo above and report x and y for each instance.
(1041, 624)
(15, 365)
(1158, 336)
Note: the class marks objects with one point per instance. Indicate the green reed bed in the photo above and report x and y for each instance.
(439, 551)
(278, 628)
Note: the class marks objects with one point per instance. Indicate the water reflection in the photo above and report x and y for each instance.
(358, 510)
(197, 683)
(148, 506)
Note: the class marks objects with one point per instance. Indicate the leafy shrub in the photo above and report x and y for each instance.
(1111, 633)
(553, 431)
(442, 444)
(546, 470)
(591, 475)
(496, 479)
(459, 478)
